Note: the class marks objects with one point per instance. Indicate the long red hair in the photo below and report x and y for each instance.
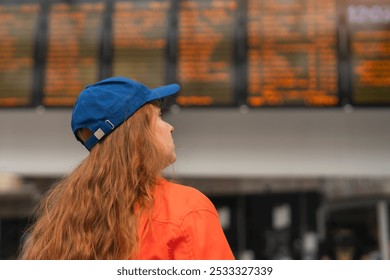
(93, 212)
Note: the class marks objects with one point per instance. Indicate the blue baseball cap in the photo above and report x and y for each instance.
(103, 106)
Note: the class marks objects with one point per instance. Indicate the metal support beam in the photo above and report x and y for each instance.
(383, 228)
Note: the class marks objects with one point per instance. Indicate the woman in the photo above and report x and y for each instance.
(116, 205)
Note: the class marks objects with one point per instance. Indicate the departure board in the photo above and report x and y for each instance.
(369, 41)
(205, 52)
(292, 53)
(72, 59)
(223, 53)
(140, 39)
(18, 29)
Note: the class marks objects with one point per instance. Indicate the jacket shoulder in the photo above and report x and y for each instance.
(180, 200)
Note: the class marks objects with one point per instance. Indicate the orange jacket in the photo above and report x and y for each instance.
(184, 225)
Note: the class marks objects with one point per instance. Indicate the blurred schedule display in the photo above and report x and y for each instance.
(18, 27)
(303, 53)
(292, 55)
(205, 52)
(139, 40)
(369, 36)
(72, 59)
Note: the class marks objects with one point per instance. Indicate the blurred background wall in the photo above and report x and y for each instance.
(221, 142)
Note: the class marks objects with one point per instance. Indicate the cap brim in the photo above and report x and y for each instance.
(163, 91)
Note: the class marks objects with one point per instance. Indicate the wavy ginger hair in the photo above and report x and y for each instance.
(93, 213)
